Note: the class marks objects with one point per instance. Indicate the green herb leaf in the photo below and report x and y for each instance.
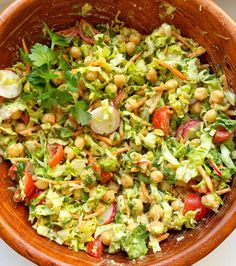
(57, 39)
(80, 114)
(72, 81)
(20, 169)
(42, 55)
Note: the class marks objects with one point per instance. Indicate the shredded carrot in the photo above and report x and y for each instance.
(96, 213)
(160, 88)
(199, 51)
(141, 102)
(230, 113)
(223, 191)
(102, 138)
(182, 39)
(121, 150)
(225, 83)
(205, 177)
(163, 237)
(144, 190)
(26, 50)
(78, 132)
(135, 57)
(121, 131)
(166, 49)
(175, 71)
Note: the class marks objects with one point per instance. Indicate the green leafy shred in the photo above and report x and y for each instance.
(80, 114)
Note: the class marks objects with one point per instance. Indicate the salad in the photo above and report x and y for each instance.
(115, 138)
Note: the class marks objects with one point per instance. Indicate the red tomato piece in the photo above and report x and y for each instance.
(56, 153)
(2, 99)
(4, 166)
(222, 134)
(161, 119)
(29, 185)
(106, 176)
(192, 203)
(95, 248)
(35, 196)
(87, 32)
(12, 172)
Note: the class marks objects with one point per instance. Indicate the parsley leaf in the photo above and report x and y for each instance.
(72, 81)
(42, 55)
(41, 77)
(57, 39)
(80, 114)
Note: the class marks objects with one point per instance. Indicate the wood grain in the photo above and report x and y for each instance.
(201, 20)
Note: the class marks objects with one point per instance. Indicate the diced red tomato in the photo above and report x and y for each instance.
(87, 32)
(4, 166)
(95, 248)
(29, 185)
(192, 203)
(106, 176)
(35, 196)
(161, 119)
(2, 99)
(12, 172)
(56, 153)
(97, 168)
(25, 118)
(222, 134)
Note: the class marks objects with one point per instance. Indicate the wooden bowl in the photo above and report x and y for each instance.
(201, 20)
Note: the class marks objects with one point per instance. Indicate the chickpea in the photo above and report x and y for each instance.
(19, 127)
(106, 237)
(156, 212)
(156, 176)
(195, 142)
(172, 84)
(135, 38)
(75, 52)
(109, 196)
(113, 186)
(177, 205)
(210, 201)
(131, 104)
(115, 138)
(16, 115)
(200, 94)
(41, 184)
(121, 38)
(137, 206)
(59, 80)
(69, 153)
(130, 48)
(152, 75)
(211, 116)
(80, 142)
(49, 118)
(92, 75)
(217, 96)
(120, 80)
(32, 145)
(127, 181)
(196, 108)
(15, 150)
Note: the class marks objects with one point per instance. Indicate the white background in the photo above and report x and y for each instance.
(224, 255)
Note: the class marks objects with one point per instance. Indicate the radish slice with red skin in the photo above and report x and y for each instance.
(184, 130)
(108, 216)
(215, 167)
(105, 125)
(10, 84)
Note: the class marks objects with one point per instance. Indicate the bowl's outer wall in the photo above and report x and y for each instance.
(201, 20)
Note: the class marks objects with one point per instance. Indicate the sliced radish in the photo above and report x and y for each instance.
(105, 123)
(215, 167)
(187, 129)
(10, 85)
(108, 216)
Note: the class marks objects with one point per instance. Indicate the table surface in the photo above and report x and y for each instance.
(224, 254)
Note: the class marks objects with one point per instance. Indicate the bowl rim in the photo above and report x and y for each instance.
(226, 225)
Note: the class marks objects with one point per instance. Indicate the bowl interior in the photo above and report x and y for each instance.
(199, 19)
